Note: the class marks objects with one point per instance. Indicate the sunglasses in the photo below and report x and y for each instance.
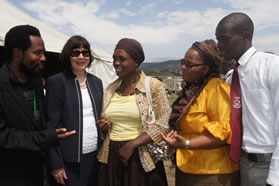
(189, 65)
(76, 53)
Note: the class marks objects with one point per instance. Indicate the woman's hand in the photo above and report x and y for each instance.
(174, 140)
(126, 152)
(59, 175)
(103, 123)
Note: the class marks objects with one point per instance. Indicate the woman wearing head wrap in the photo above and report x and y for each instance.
(201, 116)
(124, 156)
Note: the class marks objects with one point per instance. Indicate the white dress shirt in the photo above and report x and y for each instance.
(228, 74)
(89, 129)
(259, 81)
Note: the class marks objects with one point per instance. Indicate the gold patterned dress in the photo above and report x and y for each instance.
(210, 113)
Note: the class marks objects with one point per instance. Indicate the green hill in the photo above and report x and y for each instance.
(165, 68)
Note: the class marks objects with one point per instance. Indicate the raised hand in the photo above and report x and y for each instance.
(173, 139)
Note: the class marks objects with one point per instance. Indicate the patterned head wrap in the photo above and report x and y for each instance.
(209, 54)
(133, 48)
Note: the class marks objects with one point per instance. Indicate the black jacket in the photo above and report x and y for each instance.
(64, 107)
(22, 138)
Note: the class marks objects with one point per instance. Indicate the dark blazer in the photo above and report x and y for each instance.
(22, 138)
(64, 107)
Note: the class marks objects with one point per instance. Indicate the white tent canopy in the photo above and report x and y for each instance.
(11, 16)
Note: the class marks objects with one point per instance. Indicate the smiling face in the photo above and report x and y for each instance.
(32, 59)
(79, 59)
(193, 74)
(123, 64)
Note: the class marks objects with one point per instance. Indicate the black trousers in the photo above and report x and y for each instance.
(84, 173)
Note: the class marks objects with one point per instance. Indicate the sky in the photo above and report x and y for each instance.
(165, 28)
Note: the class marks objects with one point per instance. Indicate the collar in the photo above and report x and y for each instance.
(228, 74)
(140, 85)
(243, 60)
(9, 74)
(15, 80)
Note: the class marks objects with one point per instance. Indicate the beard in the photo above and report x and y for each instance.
(31, 72)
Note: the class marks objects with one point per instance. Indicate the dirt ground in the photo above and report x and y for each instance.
(170, 172)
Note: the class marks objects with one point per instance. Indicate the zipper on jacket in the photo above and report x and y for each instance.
(79, 120)
(94, 104)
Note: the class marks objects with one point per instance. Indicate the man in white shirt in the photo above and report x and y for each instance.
(259, 82)
(226, 68)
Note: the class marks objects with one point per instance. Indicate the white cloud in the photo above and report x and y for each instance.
(128, 3)
(263, 13)
(147, 9)
(126, 12)
(112, 15)
(178, 2)
(268, 43)
(168, 28)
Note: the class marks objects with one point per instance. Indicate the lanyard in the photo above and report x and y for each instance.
(34, 102)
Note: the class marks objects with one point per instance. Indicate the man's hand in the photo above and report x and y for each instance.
(62, 133)
(59, 175)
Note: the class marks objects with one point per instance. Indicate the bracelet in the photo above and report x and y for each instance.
(187, 144)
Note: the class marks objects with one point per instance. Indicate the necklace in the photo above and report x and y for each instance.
(131, 89)
(83, 83)
(120, 94)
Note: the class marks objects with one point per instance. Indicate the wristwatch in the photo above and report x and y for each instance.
(187, 144)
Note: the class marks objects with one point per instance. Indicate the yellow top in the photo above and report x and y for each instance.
(162, 111)
(210, 113)
(123, 113)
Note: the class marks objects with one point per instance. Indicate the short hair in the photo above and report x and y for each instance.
(19, 37)
(240, 21)
(74, 42)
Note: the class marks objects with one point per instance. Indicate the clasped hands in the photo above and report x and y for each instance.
(103, 123)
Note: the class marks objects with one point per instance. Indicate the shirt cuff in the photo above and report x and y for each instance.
(273, 178)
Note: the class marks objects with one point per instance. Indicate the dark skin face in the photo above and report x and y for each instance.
(193, 74)
(30, 62)
(34, 57)
(124, 65)
(232, 41)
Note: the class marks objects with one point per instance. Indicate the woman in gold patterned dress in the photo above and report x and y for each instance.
(201, 121)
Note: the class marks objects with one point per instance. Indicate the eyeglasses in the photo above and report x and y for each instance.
(189, 65)
(76, 53)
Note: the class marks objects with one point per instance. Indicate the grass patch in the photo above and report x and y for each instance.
(172, 98)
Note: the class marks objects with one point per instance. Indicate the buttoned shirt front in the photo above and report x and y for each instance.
(259, 81)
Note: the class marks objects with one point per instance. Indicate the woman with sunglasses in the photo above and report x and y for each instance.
(201, 121)
(74, 100)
